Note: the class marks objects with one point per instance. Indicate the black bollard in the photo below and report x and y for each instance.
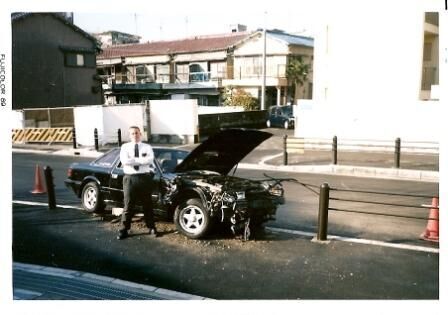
(285, 150)
(119, 137)
(48, 172)
(74, 137)
(324, 198)
(335, 150)
(95, 137)
(397, 152)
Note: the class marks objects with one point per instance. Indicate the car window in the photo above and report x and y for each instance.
(108, 159)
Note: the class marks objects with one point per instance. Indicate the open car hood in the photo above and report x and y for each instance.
(222, 151)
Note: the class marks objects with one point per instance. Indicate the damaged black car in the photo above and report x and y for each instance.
(194, 190)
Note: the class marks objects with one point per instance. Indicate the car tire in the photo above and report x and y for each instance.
(286, 124)
(268, 123)
(192, 219)
(91, 198)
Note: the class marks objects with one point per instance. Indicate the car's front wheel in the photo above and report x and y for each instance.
(91, 198)
(192, 219)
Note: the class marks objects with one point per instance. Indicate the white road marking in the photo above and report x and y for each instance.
(296, 232)
(33, 203)
(360, 241)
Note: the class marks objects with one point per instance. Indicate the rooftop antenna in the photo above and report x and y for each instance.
(135, 21)
(186, 26)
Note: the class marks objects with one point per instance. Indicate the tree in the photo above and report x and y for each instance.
(238, 97)
(297, 70)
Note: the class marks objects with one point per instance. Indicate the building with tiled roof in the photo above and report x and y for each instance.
(201, 67)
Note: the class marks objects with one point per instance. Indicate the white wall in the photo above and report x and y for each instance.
(122, 117)
(174, 117)
(367, 73)
(16, 119)
(177, 118)
(87, 118)
(419, 122)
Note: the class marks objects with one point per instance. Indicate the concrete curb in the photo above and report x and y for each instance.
(67, 273)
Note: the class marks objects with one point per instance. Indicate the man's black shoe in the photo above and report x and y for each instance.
(122, 235)
(153, 232)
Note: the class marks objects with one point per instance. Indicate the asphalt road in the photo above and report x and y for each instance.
(274, 266)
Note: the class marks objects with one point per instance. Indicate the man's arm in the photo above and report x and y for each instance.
(125, 159)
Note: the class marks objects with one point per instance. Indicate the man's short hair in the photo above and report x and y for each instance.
(134, 127)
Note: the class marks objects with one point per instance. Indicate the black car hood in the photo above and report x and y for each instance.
(222, 151)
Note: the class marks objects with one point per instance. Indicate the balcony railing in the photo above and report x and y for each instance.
(246, 72)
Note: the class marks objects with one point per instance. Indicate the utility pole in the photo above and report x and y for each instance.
(263, 74)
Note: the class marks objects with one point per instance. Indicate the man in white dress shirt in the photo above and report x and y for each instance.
(137, 159)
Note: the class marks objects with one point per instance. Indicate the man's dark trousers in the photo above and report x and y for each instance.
(137, 187)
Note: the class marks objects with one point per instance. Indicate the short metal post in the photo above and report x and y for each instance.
(397, 152)
(335, 150)
(119, 137)
(95, 136)
(324, 198)
(48, 172)
(285, 150)
(74, 137)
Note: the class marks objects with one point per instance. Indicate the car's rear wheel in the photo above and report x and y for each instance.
(91, 198)
(192, 219)
(268, 123)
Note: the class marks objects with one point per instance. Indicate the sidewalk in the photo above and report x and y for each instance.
(269, 156)
(34, 282)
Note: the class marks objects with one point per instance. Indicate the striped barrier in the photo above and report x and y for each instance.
(47, 135)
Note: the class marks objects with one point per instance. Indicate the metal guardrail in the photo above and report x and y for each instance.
(324, 206)
(298, 145)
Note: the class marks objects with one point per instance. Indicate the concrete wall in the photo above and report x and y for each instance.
(325, 120)
(171, 122)
(122, 117)
(174, 121)
(87, 118)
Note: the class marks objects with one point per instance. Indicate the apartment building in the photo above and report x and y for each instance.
(201, 67)
(111, 38)
(380, 79)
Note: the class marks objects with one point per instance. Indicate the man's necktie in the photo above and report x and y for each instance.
(136, 154)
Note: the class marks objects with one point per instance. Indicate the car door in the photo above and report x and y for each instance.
(116, 185)
(277, 117)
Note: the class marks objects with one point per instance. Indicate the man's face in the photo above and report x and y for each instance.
(135, 135)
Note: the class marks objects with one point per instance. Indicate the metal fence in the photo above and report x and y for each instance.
(325, 198)
(396, 147)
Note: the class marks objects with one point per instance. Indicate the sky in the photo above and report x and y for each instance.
(152, 26)
(165, 20)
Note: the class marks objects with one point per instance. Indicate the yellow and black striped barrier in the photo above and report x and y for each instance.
(45, 135)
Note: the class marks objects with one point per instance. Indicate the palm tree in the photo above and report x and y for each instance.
(297, 71)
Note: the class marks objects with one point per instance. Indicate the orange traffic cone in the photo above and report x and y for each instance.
(38, 187)
(432, 228)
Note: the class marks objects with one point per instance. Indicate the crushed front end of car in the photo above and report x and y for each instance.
(243, 204)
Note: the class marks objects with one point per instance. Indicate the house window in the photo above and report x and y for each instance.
(79, 59)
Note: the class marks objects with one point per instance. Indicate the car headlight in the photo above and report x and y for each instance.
(276, 190)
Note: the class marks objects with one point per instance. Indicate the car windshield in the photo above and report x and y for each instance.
(108, 159)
